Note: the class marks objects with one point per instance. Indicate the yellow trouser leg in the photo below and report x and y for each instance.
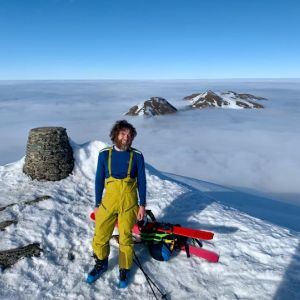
(126, 221)
(119, 202)
(105, 223)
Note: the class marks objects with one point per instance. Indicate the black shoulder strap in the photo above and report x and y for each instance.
(151, 215)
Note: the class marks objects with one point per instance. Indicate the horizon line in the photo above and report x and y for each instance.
(152, 79)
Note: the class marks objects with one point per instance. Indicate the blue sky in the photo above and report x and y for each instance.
(157, 39)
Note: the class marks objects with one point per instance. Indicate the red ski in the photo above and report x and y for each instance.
(188, 232)
(203, 253)
(178, 230)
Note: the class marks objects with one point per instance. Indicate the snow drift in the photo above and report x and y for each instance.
(258, 245)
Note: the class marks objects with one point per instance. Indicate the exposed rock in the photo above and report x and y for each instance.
(71, 256)
(153, 106)
(223, 100)
(7, 223)
(4, 207)
(49, 155)
(38, 199)
(235, 95)
(208, 99)
(256, 105)
(10, 257)
(247, 105)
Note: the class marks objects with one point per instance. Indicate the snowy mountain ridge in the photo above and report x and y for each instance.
(259, 257)
(223, 100)
(160, 106)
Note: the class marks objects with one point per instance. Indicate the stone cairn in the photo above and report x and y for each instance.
(49, 155)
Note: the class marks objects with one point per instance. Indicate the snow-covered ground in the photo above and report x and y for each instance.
(258, 245)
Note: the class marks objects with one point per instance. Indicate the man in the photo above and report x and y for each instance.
(121, 170)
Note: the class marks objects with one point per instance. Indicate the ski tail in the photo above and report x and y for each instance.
(208, 255)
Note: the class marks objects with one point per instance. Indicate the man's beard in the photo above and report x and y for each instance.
(122, 146)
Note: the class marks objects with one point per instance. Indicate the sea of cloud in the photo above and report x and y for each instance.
(253, 149)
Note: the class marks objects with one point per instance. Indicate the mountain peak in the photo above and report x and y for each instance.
(152, 107)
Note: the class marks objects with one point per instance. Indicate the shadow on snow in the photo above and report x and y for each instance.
(279, 213)
(289, 287)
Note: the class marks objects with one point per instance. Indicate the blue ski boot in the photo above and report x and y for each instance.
(99, 268)
(124, 276)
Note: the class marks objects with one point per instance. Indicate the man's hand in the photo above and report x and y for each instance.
(141, 213)
(93, 214)
(95, 210)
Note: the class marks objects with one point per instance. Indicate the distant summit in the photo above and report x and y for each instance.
(160, 106)
(206, 99)
(242, 96)
(229, 99)
(152, 107)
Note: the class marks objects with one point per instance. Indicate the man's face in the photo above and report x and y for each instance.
(124, 139)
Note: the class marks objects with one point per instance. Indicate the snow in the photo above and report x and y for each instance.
(231, 99)
(259, 259)
(196, 98)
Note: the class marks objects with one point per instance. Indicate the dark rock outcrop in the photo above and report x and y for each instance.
(36, 200)
(7, 223)
(235, 95)
(152, 107)
(10, 257)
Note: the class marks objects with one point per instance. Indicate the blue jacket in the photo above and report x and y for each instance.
(119, 167)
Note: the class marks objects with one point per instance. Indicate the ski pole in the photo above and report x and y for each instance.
(149, 283)
(149, 280)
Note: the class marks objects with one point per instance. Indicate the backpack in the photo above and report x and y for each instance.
(161, 245)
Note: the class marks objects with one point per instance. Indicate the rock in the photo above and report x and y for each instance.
(249, 104)
(235, 95)
(152, 107)
(256, 105)
(49, 155)
(38, 199)
(71, 256)
(7, 223)
(4, 207)
(10, 257)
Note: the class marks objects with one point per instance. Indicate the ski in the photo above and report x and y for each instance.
(188, 232)
(178, 230)
(208, 255)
